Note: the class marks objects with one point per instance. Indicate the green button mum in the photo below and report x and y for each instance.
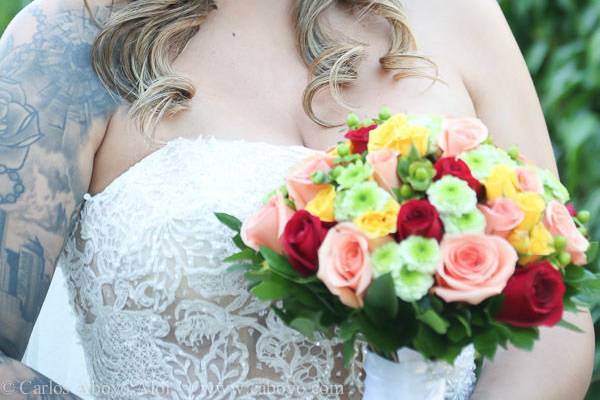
(361, 198)
(420, 254)
(451, 195)
(473, 222)
(411, 285)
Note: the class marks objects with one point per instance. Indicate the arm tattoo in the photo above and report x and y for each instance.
(50, 99)
(33, 386)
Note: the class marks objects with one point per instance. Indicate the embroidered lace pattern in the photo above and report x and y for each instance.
(158, 314)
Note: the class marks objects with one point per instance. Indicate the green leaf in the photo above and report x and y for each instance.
(524, 338)
(486, 343)
(429, 343)
(588, 291)
(381, 300)
(239, 267)
(306, 326)
(574, 274)
(269, 290)
(383, 339)
(347, 330)
(349, 351)
(229, 221)
(569, 326)
(592, 252)
(434, 321)
(457, 331)
(247, 254)
(465, 323)
(237, 240)
(279, 264)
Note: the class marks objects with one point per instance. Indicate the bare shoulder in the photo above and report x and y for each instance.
(458, 25)
(476, 39)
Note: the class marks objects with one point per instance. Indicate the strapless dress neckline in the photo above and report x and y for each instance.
(159, 315)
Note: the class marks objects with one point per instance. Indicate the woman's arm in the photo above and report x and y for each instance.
(497, 78)
(53, 114)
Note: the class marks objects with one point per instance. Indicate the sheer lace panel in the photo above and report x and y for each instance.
(158, 314)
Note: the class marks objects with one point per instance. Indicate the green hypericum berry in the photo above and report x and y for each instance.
(353, 174)
(513, 152)
(420, 254)
(451, 195)
(583, 216)
(411, 285)
(343, 149)
(353, 121)
(560, 242)
(564, 258)
(384, 113)
(361, 198)
(336, 172)
(472, 222)
(406, 191)
(318, 177)
(583, 230)
(386, 258)
(421, 173)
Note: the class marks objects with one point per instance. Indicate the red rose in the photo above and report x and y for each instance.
(302, 237)
(533, 296)
(458, 168)
(360, 138)
(419, 217)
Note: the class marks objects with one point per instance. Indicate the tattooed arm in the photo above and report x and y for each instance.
(53, 115)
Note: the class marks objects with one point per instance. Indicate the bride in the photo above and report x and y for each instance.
(213, 102)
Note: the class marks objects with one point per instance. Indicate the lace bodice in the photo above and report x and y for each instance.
(158, 314)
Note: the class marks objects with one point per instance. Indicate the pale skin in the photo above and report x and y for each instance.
(250, 79)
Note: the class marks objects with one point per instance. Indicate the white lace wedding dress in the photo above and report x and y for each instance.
(158, 315)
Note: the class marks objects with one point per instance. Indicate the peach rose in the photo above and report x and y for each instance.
(266, 226)
(461, 134)
(558, 220)
(529, 180)
(344, 264)
(475, 267)
(384, 163)
(300, 187)
(502, 216)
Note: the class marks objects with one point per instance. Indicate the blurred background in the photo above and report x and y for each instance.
(561, 43)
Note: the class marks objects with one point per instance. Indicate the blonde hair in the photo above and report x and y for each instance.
(134, 52)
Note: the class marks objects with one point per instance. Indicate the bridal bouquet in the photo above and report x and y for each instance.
(417, 232)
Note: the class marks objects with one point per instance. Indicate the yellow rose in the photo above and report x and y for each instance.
(396, 134)
(502, 182)
(417, 136)
(541, 241)
(531, 245)
(377, 224)
(533, 206)
(322, 205)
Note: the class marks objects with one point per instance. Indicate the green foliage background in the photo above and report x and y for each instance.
(561, 43)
